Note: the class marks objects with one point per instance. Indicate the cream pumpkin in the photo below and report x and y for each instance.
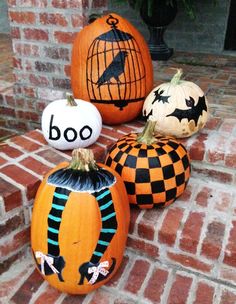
(179, 107)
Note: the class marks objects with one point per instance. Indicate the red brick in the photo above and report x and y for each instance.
(230, 160)
(156, 285)
(186, 194)
(25, 143)
(134, 213)
(213, 123)
(170, 226)
(57, 53)
(33, 3)
(230, 252)
(36, 34)
(15, 32)
(191, 232)
(215, 156)
(35, 165)
(189, 261)
(179, 290)
(101, 297)
(2, 161)
(136, 276)
(29, 287)
(77, 20)
(49, 295)
(22, 17)
(214, 175)
(15, 243)
(105, 141)
(54, 19)
(203, 196)
(111, 133)
(99, 152)
(11, 195)
(228, 297)
(197, 151)
(6, 111)
(64, 37)
(69, 4)
(22, 177)
(115, 279)
(10, 151)
(67, 70)
(36, 135)
(78, 299)
(204, 294)
(27, 115)
(125, 129)
(12, 223)
(143, 247)
(146, 226)
(228, 273)
(52, 156)
(38, 80)
(212, 243)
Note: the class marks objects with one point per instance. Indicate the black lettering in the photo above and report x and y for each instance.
(82, 131)
(66, 134)
(55, 128)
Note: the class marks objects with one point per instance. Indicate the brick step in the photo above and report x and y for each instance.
(139, 280)
(25, 159)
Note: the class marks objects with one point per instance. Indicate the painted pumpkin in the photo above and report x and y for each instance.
(111, 66)
(179, 107)
(155, 170)
(79, 224)
(71, 123)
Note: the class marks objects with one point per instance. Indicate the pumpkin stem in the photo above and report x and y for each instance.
(147, 135)
(83, 159)
(70, 100)
(176, 78)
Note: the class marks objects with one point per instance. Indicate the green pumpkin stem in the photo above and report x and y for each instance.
(83, 159)
(147, 135)
(70, 100)
(176, 78)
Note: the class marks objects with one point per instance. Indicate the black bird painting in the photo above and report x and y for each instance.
(114, 69)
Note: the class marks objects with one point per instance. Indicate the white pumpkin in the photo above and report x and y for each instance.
(179, 107)
(71, 123)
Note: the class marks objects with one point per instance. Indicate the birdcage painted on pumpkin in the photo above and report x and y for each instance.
(117, 80)
(117, 58)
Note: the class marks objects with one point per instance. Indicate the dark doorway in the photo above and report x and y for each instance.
(230, 39)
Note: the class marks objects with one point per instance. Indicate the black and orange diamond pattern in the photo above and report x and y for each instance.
(153, 174)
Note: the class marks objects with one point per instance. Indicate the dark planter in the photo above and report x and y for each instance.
(162, 15)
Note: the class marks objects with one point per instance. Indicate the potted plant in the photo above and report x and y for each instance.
(157, 15)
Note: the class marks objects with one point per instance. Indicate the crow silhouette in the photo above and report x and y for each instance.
(115, 68)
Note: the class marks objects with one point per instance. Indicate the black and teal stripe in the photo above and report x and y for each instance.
(109, 223)
(60, 198)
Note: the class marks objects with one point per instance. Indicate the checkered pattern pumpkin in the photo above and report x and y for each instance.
(155, 170)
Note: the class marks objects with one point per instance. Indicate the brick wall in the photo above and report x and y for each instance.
(42, 35)
(204, 34)
(4, 23)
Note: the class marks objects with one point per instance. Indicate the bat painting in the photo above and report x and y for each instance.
(193, 113)
(159, 97)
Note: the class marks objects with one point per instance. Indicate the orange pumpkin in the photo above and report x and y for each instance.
(111, 67)
(155, 170)
(79, 224)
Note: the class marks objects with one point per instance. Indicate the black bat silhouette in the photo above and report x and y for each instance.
(193, 113)
(115, 69)
(159, 97)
